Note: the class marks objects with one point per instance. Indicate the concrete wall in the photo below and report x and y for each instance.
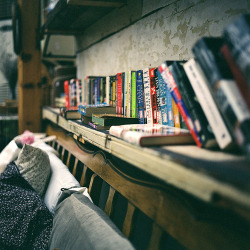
(146, 33)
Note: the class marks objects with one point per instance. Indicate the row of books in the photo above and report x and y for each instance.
(210, 91)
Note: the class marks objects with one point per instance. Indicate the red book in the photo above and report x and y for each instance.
(237, 74)
(119, 94)
(66, 94)
(153, 94)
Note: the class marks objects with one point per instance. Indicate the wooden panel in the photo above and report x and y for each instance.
(155, 237)
(95, 188)
(29, 69)
(109, 203)
(127, 225)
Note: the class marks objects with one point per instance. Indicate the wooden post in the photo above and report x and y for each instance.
(29, 69)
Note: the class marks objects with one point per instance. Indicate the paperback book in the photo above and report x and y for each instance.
(98, 127)
(152, 134)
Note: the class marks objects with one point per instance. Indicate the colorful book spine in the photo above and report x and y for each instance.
(159, 120)
(123, 92)
(128, 100)
(176, 115)
(153, 94)
(101, 90)
(79, 91)
(139, 96)
(114, 91)
(163, 99)
(107, 90)
(119, 94)
(95, 91)
(66, 93)
(168, 78)
(169, 107)
(133, 94)
(200, 87)
(146, 84)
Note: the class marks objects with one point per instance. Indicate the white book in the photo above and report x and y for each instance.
(206, 100)
(107, 89)
(128, 99)
(146, 84)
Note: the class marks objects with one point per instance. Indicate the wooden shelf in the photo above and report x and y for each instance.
(71, 17)
(212, 176)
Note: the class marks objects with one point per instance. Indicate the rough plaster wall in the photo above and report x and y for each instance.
(167, 34)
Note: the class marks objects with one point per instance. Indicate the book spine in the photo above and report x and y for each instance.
(176, 115)
(79, 91)
(125, 94)
(169, 107)
(66, 93)
(159, 120)
(200, 87)
(197, 115)
(107, 90)
(139, 96)
(128, 92)
(133, 94)
(163, 99)
(146, 84)
(98, 90)
(153, 94)
(168, 78)
(101, 90)
(73, 93)
(119, 94)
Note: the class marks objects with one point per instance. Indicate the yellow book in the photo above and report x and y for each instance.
(176, 115)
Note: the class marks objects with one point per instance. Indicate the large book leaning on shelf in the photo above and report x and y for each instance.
(224, 89)
(206, 100)
(193, 106)
(113, 119)
(172, 87)
(152, 134)
(237, 37)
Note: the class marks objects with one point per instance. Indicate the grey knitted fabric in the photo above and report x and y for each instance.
(34, 165)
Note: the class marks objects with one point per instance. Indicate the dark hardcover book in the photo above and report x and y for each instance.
(113, 119)
(224, 89)
(152, 134)
(88, 110)
(153, 94)
(70, 113)
(237, 37)
(237, 74)
(139, 96)
(159, 120)
(193, 106)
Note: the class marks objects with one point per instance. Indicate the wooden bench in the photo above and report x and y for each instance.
(151, 214)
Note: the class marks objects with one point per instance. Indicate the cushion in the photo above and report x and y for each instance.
(79, 224)
(34, 165)
(60, 178)
(8, 154)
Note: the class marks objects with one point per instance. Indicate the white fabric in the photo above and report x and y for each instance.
(60, 178)
(8, 154)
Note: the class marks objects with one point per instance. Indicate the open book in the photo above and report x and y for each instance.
(152, 135)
